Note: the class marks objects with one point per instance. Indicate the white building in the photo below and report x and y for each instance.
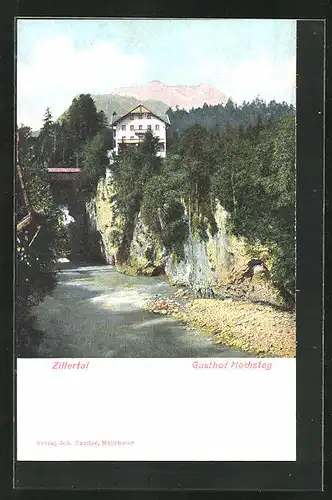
(131, 128)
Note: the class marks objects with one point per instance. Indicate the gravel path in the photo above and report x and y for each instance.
(98, 312)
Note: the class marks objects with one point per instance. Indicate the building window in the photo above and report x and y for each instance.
(141, 136)
(149, 127)
(161, 146)
(157, 127)
(132, 137)
(140, 116)
(131, 127)
(148, 116)
(140, 127)
(123, 127)
(123, 137)
(131, 117)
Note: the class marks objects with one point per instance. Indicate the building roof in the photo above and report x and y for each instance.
(164, 117)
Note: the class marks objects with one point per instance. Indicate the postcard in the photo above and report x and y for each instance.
(155, 240)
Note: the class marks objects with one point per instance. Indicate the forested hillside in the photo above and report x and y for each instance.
(218, 117)
(251, 173)
(214, 118)
(108, 103)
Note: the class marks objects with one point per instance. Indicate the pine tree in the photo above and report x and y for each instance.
(47, 141)
(82, 123)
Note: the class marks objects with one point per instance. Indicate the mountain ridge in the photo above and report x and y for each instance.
(182, 96)
(110, 103)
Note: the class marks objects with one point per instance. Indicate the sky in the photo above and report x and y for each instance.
(58, 59)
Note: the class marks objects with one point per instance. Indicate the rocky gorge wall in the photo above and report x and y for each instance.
(205, 264)
(102, 224)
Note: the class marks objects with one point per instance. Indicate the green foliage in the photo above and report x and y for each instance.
(132, 169)
(36, 250)
(217, 118)
(145, 183)
(160, 189)
(94, 162)
(34, 170)
(250, 171)
(80, 139)
(46, 143)
(161, 209)
(255, 182)
(40, 195)
(83, 121)
(197, 150)
(175, 228)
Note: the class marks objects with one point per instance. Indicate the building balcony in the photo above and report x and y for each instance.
(142, 131)
(135, 131)
(129, 141)
(132, 141)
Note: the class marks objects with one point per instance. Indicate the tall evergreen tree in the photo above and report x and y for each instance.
(47, 141)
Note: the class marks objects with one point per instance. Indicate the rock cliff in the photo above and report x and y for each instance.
(204, 265)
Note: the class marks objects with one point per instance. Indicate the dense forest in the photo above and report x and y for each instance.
(211, 117)
(216, 118)
(242, 157)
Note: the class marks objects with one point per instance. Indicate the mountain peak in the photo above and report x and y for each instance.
(183, 96)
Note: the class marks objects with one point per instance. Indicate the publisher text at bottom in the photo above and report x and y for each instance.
(86, 443)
